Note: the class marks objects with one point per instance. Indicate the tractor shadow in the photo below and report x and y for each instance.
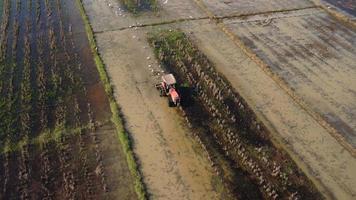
(188, 95)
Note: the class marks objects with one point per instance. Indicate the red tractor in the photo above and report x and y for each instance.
(168, 88)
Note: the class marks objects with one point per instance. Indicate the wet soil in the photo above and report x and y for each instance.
(58, 136)
(233, 125)
(315, 49)
(172, 162)
(347, 5)
(320, 156)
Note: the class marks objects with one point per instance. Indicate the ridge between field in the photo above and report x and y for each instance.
(216, 18)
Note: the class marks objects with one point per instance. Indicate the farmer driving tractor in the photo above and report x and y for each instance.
(168, 88)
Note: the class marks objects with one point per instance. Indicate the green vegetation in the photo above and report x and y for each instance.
(48, 120)
(32, 96)
(123, 136)
(135, 6)
(45, 137)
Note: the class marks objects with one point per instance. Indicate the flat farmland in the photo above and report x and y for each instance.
(56, 137)
(293, 111)
(314, 55)
(346, 5)
(267, 87)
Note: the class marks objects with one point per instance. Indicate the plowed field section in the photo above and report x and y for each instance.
(347, 5)
(315, 56)
(56, 137)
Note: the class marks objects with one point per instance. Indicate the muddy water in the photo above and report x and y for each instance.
(96, 94)
(48, 81)
(347, 5)
(58, 41)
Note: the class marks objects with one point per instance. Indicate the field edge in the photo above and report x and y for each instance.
(123, 136)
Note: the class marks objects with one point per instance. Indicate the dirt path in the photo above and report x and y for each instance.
(168, 162)
(171, 167)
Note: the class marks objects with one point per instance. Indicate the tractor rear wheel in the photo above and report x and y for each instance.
(170, 102)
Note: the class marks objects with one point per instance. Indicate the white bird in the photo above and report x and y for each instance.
(166, 1)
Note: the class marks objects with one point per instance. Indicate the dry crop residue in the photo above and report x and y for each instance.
(56, 137)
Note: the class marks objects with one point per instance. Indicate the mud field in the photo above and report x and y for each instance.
(231, 123)
(56, 137)
(346, 5)
(268, 108)
(1, 5)
(298, 117)
(314, 55)
(240, 7)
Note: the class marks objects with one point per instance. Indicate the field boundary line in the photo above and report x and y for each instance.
(333, 11)
(280, 82)
(208, 17)
(116, 115)
(153, 24)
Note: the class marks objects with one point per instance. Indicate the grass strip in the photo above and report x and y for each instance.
(123, 136)
(45, 137)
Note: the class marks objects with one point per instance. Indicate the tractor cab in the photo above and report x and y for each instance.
(168, 88)
(168, 82)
